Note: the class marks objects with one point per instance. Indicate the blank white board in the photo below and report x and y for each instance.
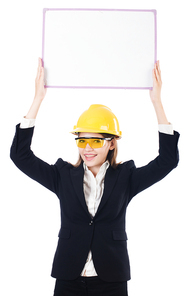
(99, 48)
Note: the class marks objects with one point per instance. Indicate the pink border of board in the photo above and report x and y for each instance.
(100, 9)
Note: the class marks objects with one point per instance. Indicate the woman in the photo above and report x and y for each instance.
(91, 256)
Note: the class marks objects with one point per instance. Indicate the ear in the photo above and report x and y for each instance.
(112, 144)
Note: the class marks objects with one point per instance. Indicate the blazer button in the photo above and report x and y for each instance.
(91, 223)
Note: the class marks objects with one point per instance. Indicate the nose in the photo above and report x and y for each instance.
(88, 147)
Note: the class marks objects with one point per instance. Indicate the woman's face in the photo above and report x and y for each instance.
(94, 158)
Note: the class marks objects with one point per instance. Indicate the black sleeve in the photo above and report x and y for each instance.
(28, 163)
(166, 161)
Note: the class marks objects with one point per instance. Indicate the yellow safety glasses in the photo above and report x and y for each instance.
(93, 142)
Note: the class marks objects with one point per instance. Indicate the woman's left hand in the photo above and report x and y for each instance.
(155, 93)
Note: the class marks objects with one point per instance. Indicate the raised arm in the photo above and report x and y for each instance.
(168, 157)
(21, 152)
(40, 92)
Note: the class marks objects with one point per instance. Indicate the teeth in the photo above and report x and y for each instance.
(90, 156)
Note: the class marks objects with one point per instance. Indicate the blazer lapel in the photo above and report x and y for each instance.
(110, 181)
(77, 176)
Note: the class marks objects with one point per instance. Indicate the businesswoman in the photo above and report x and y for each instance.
(91, 256)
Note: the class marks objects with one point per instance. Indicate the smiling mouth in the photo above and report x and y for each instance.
(90, 156)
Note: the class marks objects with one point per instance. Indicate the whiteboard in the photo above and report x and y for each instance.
(99, 48)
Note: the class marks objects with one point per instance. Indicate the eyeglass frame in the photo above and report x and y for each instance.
(105, 139)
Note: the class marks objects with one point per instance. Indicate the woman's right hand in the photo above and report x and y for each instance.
(40, 92)
(40, 89)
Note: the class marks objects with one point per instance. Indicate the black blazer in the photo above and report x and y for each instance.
(105, 234)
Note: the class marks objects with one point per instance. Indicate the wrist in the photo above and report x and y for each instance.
(38, 98)
(34, 108)
(160, 113)
(156, 101)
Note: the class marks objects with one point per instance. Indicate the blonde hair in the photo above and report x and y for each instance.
(111, 157)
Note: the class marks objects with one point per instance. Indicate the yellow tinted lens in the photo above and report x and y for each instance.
(96, 143)
(81, 143)
(93, 143)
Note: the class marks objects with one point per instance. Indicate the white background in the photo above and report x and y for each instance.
(160, 221)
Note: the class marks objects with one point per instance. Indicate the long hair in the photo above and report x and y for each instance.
(111, 157)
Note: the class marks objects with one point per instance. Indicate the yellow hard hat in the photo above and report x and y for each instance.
(98, 119)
